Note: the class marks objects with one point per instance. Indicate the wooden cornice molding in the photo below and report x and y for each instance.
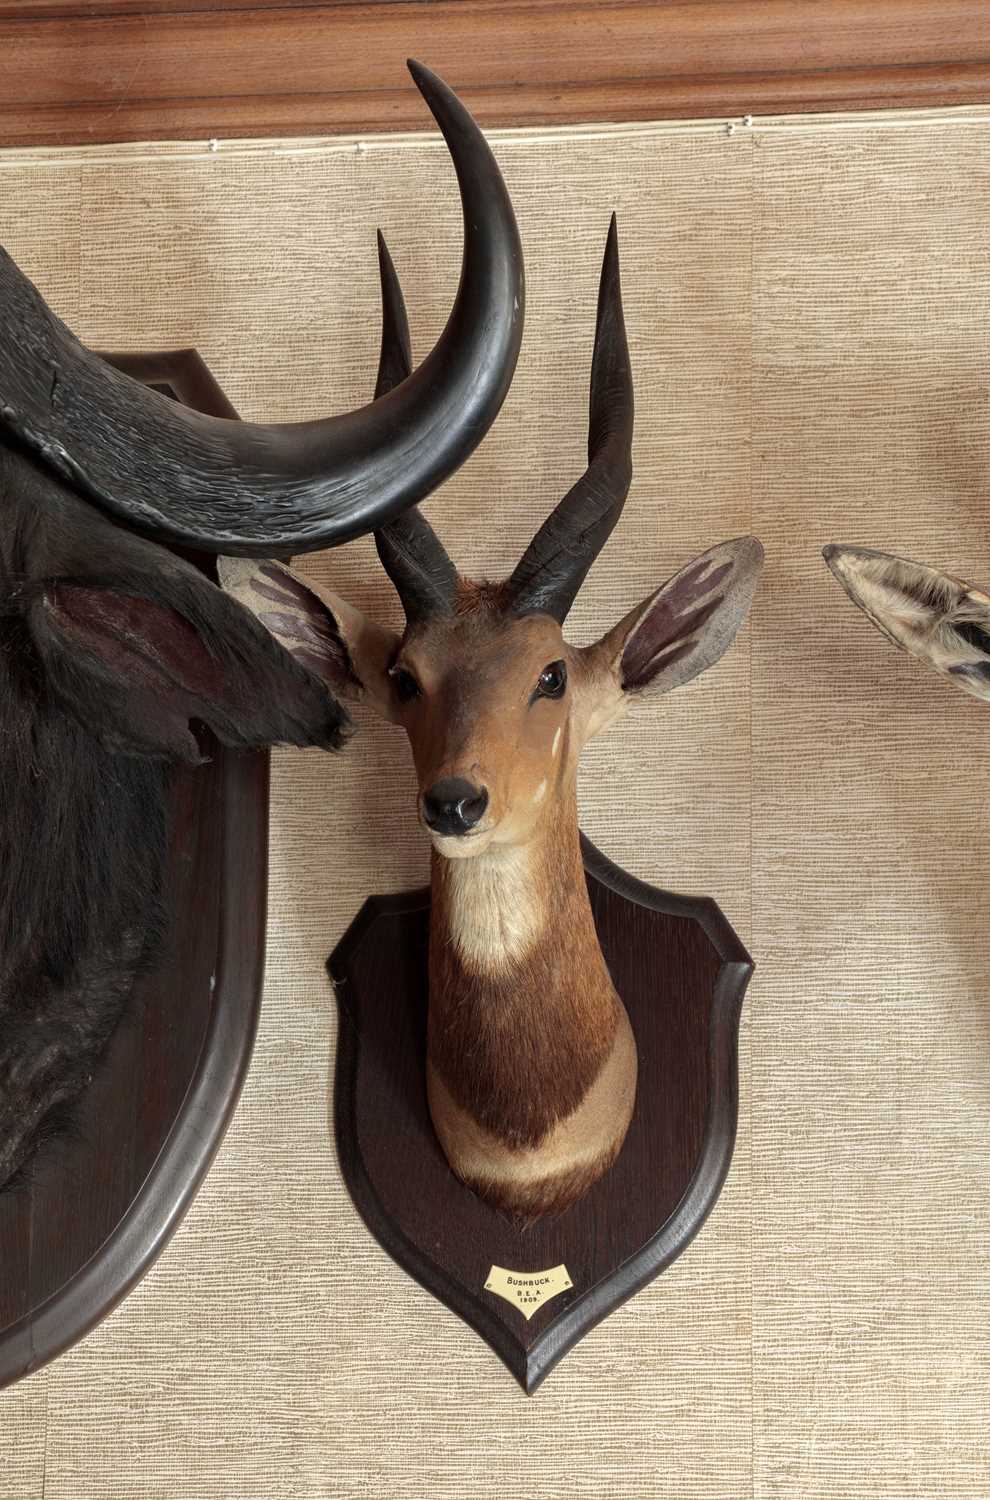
(87, 73)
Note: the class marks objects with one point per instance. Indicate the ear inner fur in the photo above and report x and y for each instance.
(660, 640)
(689, 622)
(294, 614)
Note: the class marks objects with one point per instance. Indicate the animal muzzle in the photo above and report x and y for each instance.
(454, 806)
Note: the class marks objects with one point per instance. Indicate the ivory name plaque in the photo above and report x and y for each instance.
(528, 1290)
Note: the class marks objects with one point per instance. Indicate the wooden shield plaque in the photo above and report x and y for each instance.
(532, 1292)
(102, 1203)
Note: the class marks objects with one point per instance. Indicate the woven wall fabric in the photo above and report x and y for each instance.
(809, 317)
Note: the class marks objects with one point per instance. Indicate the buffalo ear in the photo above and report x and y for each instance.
(136, 659)
(319, 628)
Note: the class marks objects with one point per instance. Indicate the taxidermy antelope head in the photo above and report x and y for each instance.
(531, 1059)
(110, 644)
(932, 615)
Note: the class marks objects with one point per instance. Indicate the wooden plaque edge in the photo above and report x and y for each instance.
(531, 1367)
(215, 1086)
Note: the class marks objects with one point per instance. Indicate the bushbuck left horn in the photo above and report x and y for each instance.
(411, 553)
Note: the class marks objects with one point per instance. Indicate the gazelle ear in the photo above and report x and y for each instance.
(321, 630)
(933, 615)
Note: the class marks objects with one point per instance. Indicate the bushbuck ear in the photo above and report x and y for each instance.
(688, 623)
(136, 659)
(935, 616)
(321, 630)
(674, 634)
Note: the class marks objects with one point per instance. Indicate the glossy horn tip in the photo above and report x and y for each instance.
(430, 84)
(612, 244)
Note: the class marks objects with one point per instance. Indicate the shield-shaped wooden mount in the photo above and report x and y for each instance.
(104, 1201)
(533, 1291)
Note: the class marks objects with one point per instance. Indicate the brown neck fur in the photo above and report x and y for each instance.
(519, 1042)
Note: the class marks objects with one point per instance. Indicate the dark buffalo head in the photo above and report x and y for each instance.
(111, 646)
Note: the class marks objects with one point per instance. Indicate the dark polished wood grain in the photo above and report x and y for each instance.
(102, 1204)
(180, 69)
(682, 974)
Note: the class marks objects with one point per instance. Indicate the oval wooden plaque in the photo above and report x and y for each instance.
(103, 1203)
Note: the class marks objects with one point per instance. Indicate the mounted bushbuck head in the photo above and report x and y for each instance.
(933, 615)
(110, 644)
(532, 1064)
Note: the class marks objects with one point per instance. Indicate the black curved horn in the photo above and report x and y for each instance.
(411, 553)
(555, 563)
(276, 490)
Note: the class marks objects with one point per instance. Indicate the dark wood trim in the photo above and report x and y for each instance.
(165, 1193)
(398, 951)
(74, 73)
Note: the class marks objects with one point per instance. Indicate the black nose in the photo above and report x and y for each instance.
(454, 806)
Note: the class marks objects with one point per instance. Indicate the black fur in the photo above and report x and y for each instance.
(89, 721)
(974, 635)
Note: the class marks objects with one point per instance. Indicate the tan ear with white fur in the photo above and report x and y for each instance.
(320, 629)
(676, 633)
(933, 615)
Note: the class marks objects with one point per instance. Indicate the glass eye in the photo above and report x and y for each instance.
(406, 686)
(553, 681)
